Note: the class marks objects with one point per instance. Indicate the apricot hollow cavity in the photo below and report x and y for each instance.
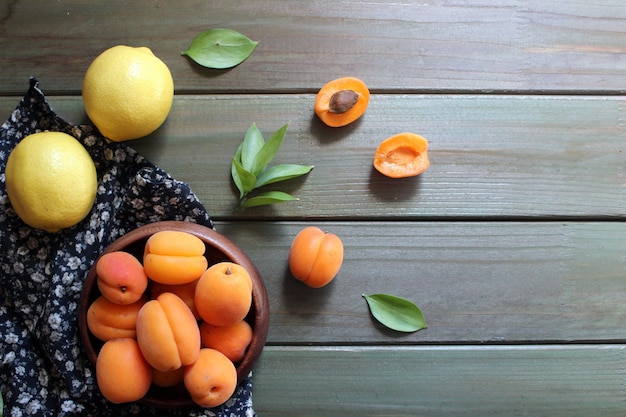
(402, 155)
(174, 257)
(315, 256)
(168, 333)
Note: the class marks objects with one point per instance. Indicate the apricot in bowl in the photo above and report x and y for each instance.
(219, 249)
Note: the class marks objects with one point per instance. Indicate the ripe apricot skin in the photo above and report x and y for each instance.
(174, 257)
(185, 291)
(107, 320)
(176, 243)
(168, 333)
(315, 257)
(212, 379)
(224, 294)
(232, 340)
(122, 373)
(121, 277)
(168, 378)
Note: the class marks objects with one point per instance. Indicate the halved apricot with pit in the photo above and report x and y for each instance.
(342, 101)
(402, 155)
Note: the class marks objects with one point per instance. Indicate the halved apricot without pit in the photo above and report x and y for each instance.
(402, 155)
(342, 101)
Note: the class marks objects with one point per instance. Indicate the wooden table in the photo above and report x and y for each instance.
(513, 243)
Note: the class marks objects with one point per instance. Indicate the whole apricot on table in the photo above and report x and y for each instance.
(231, 340)
(174, 257)
(342, 101)
(224, 294)
(168, 333)
(107, 320)
(212, 379)
(402, 155)
(315, 256)
(186, 292)
(122, 373)
(121, 277)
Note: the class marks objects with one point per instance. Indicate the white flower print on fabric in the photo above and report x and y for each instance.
(43, 369)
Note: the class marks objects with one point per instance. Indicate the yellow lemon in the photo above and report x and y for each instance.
(127, 92)
(51, 180)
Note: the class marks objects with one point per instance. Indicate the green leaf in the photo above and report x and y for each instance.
(269, 150)
(281, 172)
(220, 48)
(233, 170)
(252, 143)
(263, 199)
(243, 179)
(238, 153)
(250, 170)
(396, 313)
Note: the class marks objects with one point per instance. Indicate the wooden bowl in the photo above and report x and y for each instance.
(218, 248)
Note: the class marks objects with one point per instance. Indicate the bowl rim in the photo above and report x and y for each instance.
(260, 302)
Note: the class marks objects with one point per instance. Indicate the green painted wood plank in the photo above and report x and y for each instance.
(492, 156)
(476, 282)
(436, 45)
(453, 381)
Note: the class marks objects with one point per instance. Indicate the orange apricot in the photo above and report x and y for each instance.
(121, 277)
(122, 373)
(212, 379)
(342, 101)
(315, 256)
(224, 294)
(402, 155)
(168, 333)
(168, 378)
(186, 293)
(107, 320)
(174, 257)
(232, 340)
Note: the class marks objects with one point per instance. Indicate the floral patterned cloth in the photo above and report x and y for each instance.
(43, 368)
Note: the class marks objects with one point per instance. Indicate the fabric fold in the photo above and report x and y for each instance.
(43, 368)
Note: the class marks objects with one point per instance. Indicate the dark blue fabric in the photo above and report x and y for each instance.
(43, 368)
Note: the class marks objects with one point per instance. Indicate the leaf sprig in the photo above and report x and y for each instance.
(250, 170)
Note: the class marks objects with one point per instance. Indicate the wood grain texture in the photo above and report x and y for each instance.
(476, 282)
(456, 381)
(434, 45)
(513, 243)
(492, 156)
